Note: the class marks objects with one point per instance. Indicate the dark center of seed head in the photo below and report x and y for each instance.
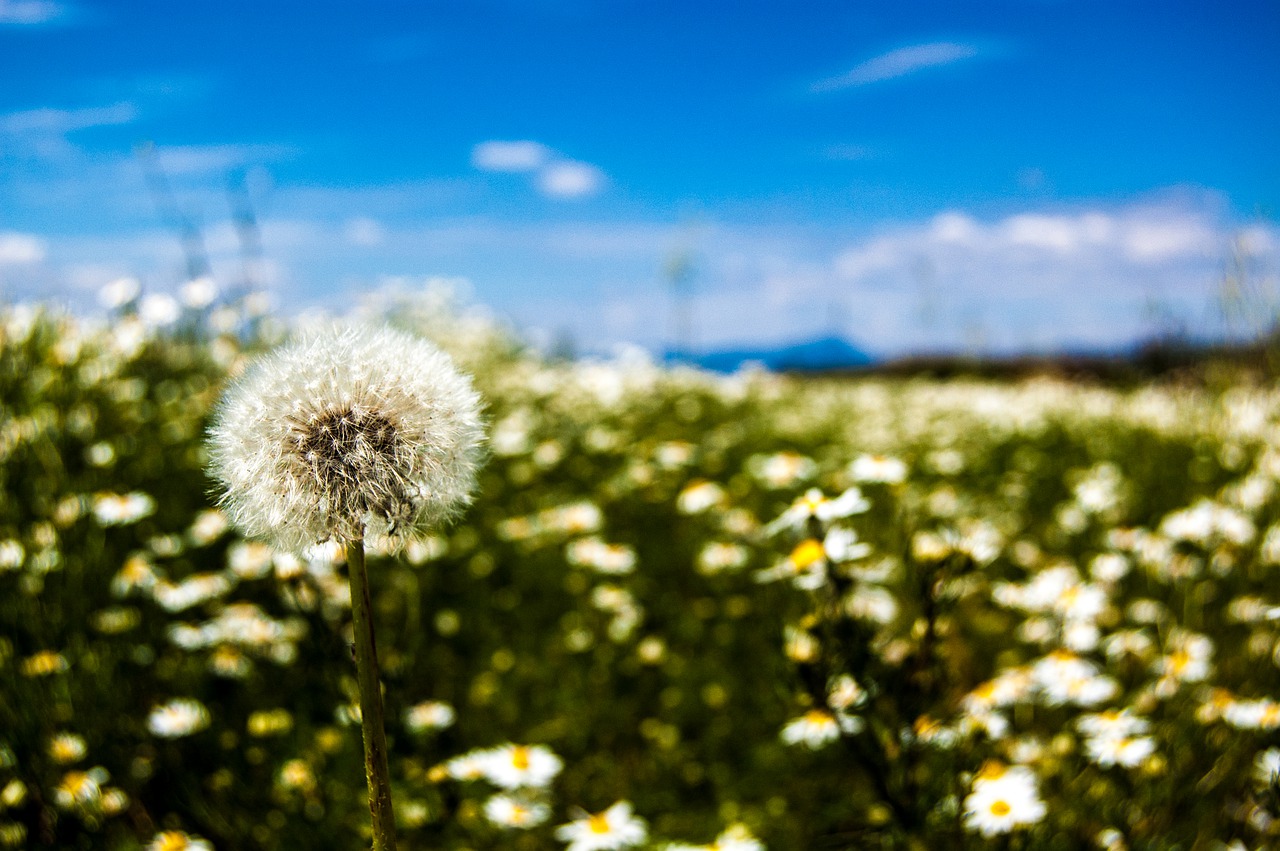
(354, 456)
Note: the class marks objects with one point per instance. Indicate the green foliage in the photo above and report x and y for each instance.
(667, 683)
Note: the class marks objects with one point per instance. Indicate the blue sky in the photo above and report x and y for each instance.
(1014, 175)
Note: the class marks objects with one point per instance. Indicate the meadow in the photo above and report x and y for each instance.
(733, 612)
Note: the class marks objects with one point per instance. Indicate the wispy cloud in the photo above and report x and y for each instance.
(554, 176)
(898, 63)
(517, 156)
(217, 159)
(51, 121)
(570, 180)
(29, 12)
(20, 249)
(1036, 278)
(365, 232)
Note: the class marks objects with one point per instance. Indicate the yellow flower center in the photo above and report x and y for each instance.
(925, 726)
(520, 758)
(991, 769)
(818, 716)
(1000, 808)
(172, 840)
(807, 553)
(598, 823)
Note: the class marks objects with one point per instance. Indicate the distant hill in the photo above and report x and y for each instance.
(822, 355)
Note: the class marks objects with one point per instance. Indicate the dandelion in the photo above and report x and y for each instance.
(346, 434)
(616, 827)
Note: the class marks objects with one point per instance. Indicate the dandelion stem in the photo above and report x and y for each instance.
(371, 718)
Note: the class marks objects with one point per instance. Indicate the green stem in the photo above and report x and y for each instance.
(371, 718)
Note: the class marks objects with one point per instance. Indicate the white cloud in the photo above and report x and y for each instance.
(28, 11)
(365, 232)
(215, 159)
(1038, 277)
(569, 179)
(898, 63)
(1139, 236)
(518, 156)
(50, 121)
(1047, 279)
(554, 177)
(20, 249)
(1159, 241)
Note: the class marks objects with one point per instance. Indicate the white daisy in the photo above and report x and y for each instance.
(815, 505)
(616, 827)
(818, 728)
(1003, 798)
(878, 468)
(428, 715)
(1125, 751)
(514, 812)
(181, 716)
(1266, 767)
(734, 838)
(520, 766)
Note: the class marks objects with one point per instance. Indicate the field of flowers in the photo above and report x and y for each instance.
(684, 611)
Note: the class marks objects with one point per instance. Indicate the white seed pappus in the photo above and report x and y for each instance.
(347, 432)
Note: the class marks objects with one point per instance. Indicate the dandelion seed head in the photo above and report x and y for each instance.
(346, 433)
